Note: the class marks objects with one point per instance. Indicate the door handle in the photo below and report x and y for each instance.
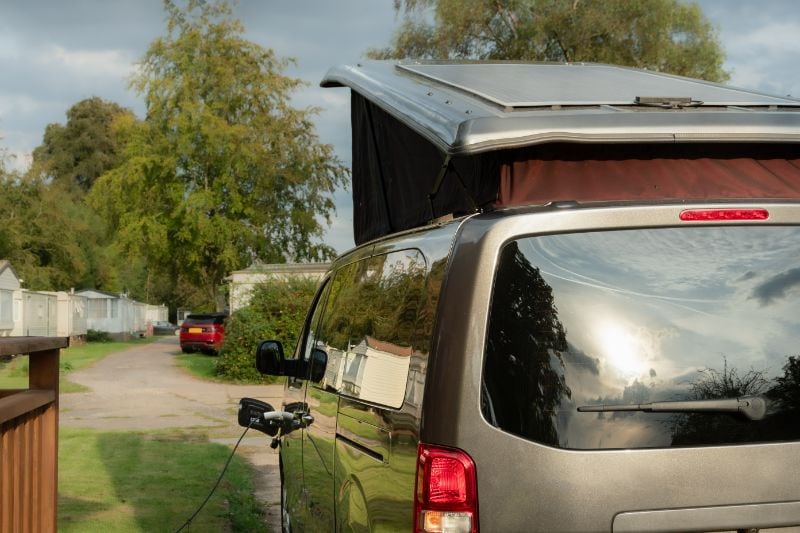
(307, 419)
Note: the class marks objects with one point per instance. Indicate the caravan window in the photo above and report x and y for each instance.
(98, 308)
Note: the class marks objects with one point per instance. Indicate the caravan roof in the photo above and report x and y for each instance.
(465, 108)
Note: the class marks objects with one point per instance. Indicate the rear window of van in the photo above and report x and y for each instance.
(588, 332)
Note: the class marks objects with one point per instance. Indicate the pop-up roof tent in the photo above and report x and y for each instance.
(438, 138)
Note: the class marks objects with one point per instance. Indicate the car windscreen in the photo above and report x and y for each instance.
(589, 331)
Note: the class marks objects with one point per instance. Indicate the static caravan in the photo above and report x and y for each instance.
(72, 315)
(9, 285)
(242, 282)
(39, 314)
(115, 314)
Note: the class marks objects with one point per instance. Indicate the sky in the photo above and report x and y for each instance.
(54, 54)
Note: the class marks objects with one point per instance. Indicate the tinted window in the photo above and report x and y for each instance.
(204, 319)
(640, 316)
(370, 328)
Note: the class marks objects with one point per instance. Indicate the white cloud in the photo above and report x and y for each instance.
(94, 63)
(18, 103)
(773, 38)
(18, 161)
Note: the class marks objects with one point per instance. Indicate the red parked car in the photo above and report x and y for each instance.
(203, 332)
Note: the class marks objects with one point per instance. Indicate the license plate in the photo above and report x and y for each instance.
(195, 330)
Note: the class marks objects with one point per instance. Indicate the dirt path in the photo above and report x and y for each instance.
(141, 389)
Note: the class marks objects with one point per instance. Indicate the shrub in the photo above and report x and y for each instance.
(277, 310)
(94, 335)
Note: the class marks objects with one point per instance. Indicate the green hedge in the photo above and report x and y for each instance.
(276, 311)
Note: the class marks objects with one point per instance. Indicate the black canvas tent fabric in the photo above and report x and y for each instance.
(395, 173)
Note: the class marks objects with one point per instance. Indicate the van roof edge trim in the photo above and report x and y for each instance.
(458, 122)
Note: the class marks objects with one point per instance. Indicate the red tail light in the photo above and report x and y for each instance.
(702, 215)
(446, 498)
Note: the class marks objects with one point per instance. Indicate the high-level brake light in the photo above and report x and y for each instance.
(446, 496)
(714, 215)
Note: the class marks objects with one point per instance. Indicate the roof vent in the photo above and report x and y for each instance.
(668, 102)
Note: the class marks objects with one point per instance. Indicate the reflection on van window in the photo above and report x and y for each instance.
(639, 316)
(371, 327)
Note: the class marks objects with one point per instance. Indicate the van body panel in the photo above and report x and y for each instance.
(362, 412)
(319, 439)
(364, 437)
(527, 486)
(353, 466)
(559, 490)
(294, 495)
(771, 515)
(367, 496)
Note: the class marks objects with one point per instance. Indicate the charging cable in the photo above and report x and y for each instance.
(188, 522)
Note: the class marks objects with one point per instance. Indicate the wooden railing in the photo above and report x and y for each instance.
(29, 438)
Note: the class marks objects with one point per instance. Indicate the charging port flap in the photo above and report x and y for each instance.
(251, 414)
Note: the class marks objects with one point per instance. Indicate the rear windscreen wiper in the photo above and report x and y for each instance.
(752, 407)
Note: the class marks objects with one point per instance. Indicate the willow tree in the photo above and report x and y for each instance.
(223, 170)
(664, 35)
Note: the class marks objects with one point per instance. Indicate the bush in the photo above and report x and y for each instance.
(94, 335)
(276, 311)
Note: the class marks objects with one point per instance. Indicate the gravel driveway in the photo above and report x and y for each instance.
(141, 388)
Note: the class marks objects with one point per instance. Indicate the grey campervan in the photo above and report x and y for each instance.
(573, 307)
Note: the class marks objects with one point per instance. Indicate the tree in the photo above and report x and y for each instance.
(84, 148)
(47, 235)
(223, 170)
(662, 35)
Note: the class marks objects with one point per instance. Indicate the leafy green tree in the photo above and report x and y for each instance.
(84, 148)
(663, 35)
(47, 234)
(223, 170)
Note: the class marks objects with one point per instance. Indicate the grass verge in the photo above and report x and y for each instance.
(204, 366)
(154, 481)
(14, 374)
(199, 365)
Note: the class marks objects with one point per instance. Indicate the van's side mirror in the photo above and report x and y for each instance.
(269, 358)
(319, 361)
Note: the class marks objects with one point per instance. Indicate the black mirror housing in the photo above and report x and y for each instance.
(319, 362)
(269, 358)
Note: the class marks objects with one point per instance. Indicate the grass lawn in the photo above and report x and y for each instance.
(14, 374)
(199, 365)
(153, 481)
(203, 366)
(141, 481)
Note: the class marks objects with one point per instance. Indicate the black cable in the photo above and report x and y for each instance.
(224, 469)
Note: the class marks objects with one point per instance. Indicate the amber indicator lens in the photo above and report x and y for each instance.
(713, 215)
